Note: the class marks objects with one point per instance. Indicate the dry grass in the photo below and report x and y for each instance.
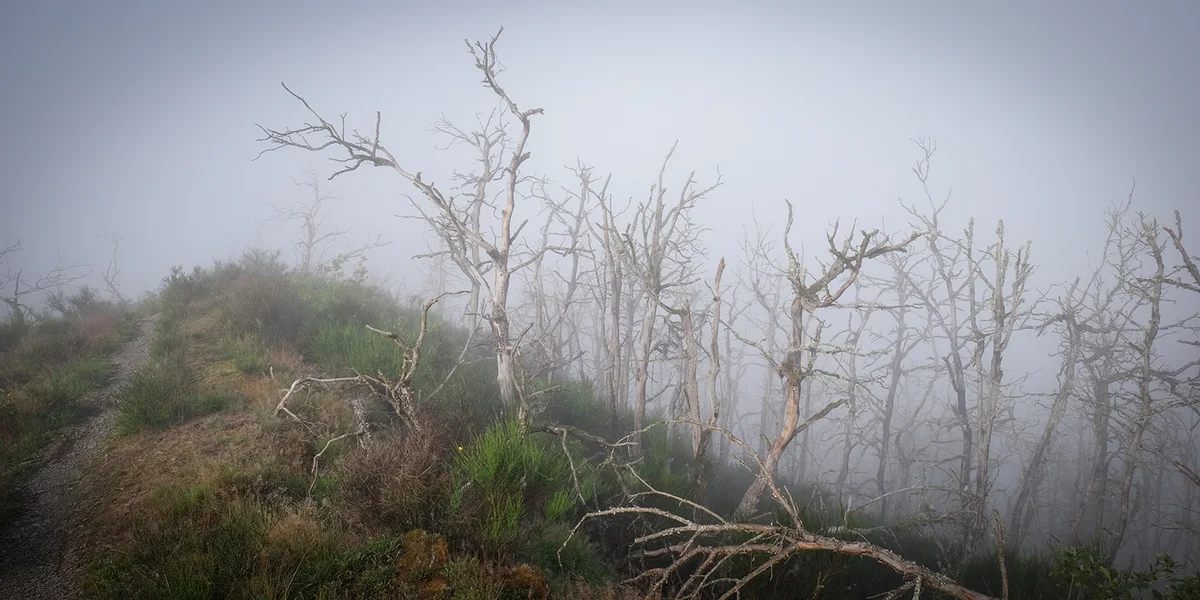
(124, 475)
(396, 482)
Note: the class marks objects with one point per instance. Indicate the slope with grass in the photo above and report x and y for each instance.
(205, 492)
(38, 557)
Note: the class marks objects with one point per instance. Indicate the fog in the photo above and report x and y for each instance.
(141, 119)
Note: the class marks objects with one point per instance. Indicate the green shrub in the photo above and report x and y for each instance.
(1029, 575)
(333, 302)
(576, 404)
(470, 579)
(267, 303)
(1084, 570)
(577, 560)
(169, 342)
(503, 476)
(179, 290)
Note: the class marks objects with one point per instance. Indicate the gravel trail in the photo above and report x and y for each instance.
(37, 557)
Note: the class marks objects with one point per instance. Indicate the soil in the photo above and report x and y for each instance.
(40, 555)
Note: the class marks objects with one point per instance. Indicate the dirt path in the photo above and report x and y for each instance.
(36, 556)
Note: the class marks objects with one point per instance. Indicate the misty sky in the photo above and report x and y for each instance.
(139, 117)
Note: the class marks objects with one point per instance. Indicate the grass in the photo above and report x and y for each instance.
(30, 415)
(230, 506)
(193, 545)
(246, 352)
(164, 395)
(48, 365)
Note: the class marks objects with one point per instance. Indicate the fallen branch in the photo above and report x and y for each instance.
(318, 456)
(304, 381)
(777, 542)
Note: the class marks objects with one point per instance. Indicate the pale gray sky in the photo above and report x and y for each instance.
(138, 117)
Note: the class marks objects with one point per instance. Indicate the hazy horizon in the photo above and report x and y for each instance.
(138, 118)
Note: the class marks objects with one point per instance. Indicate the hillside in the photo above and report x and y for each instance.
(204, 486)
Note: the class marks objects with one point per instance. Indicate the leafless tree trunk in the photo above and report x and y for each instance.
(112, 274)
(901, 347)
(702, 435)
(1151, 288)
(1006, 311)
(661, 259)
(734, 371)
(447, 219)
(315, 239)
(944, 313)
(611, 289)
(62, 274)
(853, 384)
(1066, 382)
(795, 368)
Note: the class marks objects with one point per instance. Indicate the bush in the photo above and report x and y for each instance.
(578, 559)
(334, 302)
(1029, 575)
(179, 290)
(501, 477)
(269, 304)
(169, 341)
(1084, 571)
(575, 403)
(399, 484)
(64, 387)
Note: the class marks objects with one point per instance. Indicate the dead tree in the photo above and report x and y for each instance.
(902, 344)
(1186, 388)
(1151, 290)
(701, 549)
(553, 309)
(398, 394)
(765, 283)
(446, 217)
(314, 239)
(112, 274)
(1107, 357)
(1007, 308)
(943, 295)
(609, 290)
(660, 257)
(1189, 261)
(733, 373)
(853, 386)
(703, 427)
(63, 273)
(808, 296)
(1068, 317)
(490, 141)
